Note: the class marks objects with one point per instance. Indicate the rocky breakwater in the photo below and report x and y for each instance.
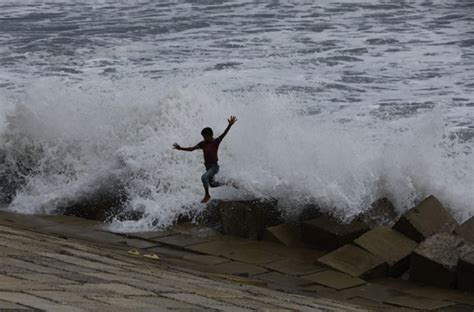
(425, 244)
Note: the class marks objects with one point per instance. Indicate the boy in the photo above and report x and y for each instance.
(209, 147)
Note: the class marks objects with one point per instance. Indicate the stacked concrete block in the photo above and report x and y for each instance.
(355, 261)
(434, 261)
(328, 233)
(391, 246)
(426, 219)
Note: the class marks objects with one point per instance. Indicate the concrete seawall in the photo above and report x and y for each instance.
(62, 263)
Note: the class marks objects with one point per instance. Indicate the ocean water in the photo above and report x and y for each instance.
(339, 103)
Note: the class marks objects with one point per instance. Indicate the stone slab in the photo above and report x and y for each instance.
(167, 303)
(46, 262)
(168, 252)
(466, 230)
(239, 250)
(110, 238)
(328, 233)
(36, 302)
(239, 268)
(9, 306)
(219, 247)
(9, 283)
(426, 219)
(124, 302)
(215, 292)
(29, 266)
(136, 282)
(434, 260)
(181, 240)
(397, 283)
(44, 278)
(283, 234)
(355, 261)
(389, 245)
(198, 300)
(111, 288)
(205, 259)
(78, 261)
(294, 267)
(254, 305)
(371, 304)
(452, 295)
(282, 281)
(95, 255)
(152, 234)
(60, 296)
(465, 272)
(371, 291)
(334, 279)
(238, 279)
(420, 303)
(80, 277)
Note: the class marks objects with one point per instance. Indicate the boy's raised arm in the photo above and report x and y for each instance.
(176, 146)
(231, 121)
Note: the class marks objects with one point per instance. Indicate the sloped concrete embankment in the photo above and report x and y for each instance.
(57, 263)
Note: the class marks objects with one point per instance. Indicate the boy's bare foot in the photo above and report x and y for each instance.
(205, 199)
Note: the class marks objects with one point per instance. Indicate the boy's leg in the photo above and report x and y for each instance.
(212, 183)
(208, 180)
(205, 178)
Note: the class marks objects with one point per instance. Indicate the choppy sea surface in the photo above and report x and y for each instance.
(338, 103)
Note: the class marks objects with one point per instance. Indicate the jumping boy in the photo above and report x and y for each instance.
(209, 147)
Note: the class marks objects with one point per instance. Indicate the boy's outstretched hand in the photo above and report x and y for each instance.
(232, 120)
(176, 146)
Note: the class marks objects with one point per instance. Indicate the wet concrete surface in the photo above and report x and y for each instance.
(62, 263)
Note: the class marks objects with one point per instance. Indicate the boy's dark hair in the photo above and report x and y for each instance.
(207, 132)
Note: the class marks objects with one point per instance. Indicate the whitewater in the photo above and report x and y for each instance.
(339, 103)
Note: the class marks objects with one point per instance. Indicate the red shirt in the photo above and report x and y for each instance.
(210, 151)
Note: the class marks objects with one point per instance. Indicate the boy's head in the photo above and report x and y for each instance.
(207, 134)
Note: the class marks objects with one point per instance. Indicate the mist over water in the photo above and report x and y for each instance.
(338, 104)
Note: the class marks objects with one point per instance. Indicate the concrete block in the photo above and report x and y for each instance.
(328, 233)
(434, 260)
(466, 230)
(240, 250)
(247, 219)
(294, 267)
(334, 279)
(355, 261)
(239, 268)
(465, 272)
(389, 245)
(426, 219)
(283, 234)
(381, 212)
(282, 281)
